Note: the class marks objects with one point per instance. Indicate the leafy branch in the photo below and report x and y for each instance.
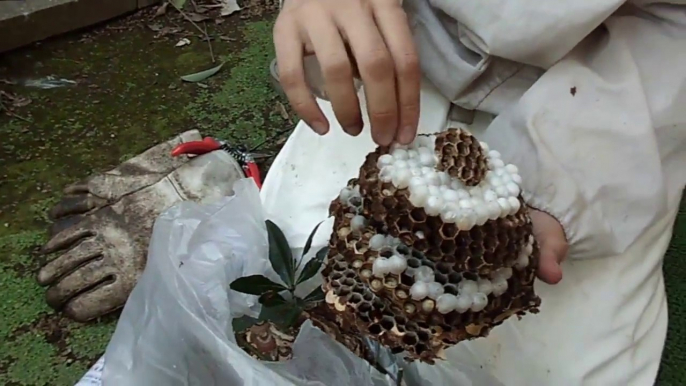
(279, 303)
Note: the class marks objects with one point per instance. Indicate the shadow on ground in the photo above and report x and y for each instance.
(128, 96)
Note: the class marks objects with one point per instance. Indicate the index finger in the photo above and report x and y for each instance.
(289, 57)
(376, 69)
(395, 29)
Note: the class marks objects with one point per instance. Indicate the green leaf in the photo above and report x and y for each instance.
(255, 285)
(317, 295)
(308, 244)
(243, 323)
(313, 266)
(280, 254)
(178, 3)
(285, 315)
(272, 299)
(202, 75)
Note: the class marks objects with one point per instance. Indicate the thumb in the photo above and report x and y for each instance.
(552, 244)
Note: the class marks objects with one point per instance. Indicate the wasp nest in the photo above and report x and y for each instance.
(432, 245)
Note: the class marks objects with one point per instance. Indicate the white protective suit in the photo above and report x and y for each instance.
(588, 99)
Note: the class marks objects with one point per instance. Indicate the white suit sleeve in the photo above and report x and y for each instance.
(600, 138)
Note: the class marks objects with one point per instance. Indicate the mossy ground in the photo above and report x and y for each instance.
(128, 98)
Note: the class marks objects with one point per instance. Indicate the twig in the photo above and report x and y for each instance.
(12, 114)
(204, 32)
(273, 137)
(209, 43)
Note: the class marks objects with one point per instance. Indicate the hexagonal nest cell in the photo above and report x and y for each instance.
(432, 245)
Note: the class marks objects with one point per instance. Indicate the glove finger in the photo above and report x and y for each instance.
(97, 302)
(69, 261)
(63, 223)
(67, 238)
(80, 187)
(87, 276)
(78, 204)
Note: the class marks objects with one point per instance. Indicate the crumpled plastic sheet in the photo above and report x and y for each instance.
(175, 328)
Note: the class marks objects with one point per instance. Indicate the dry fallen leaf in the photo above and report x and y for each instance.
(161, 10)
(183, 42)
(229, 7)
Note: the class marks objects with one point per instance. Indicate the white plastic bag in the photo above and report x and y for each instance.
(175, 328)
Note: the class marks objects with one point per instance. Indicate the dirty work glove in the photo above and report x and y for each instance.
(104, 250)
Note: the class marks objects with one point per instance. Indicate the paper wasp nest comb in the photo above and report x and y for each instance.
(432, 245)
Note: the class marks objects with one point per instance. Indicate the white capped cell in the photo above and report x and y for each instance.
(435, 290)
(400, 154)
(493, 210)
(346, 194)
(502, 191)
(419, 290)
(515, 204)
(399, 164)
(412, 154)
(416, 181)
(381, 267)
(446, 303)
(479, 302)
(434, 205)
(386, 174)
(504, 204)
(468, 287)
(450, 195)
(522, 261)
(398, 264)
(465, 203)
(444, 178)
(512, 189)
(464, 303)
(494, 154)
(424, 274)
(401, 178)
(490, 195)
(499, 285)
(377, 242)
(384, 160)
(484, 286)
(431, 178)
(482, 214)
(434, 190)
(512, 169)
(466, 219)
(516, 178)
(484, 146)
(497, 163)
(357, 223)
(419, 195)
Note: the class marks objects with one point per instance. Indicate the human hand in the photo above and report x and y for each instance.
(103, 244)
(552, 243)
(371, 37)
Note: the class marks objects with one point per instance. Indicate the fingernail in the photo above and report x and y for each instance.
(406, 135)
(353, 130)
(319, 127)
